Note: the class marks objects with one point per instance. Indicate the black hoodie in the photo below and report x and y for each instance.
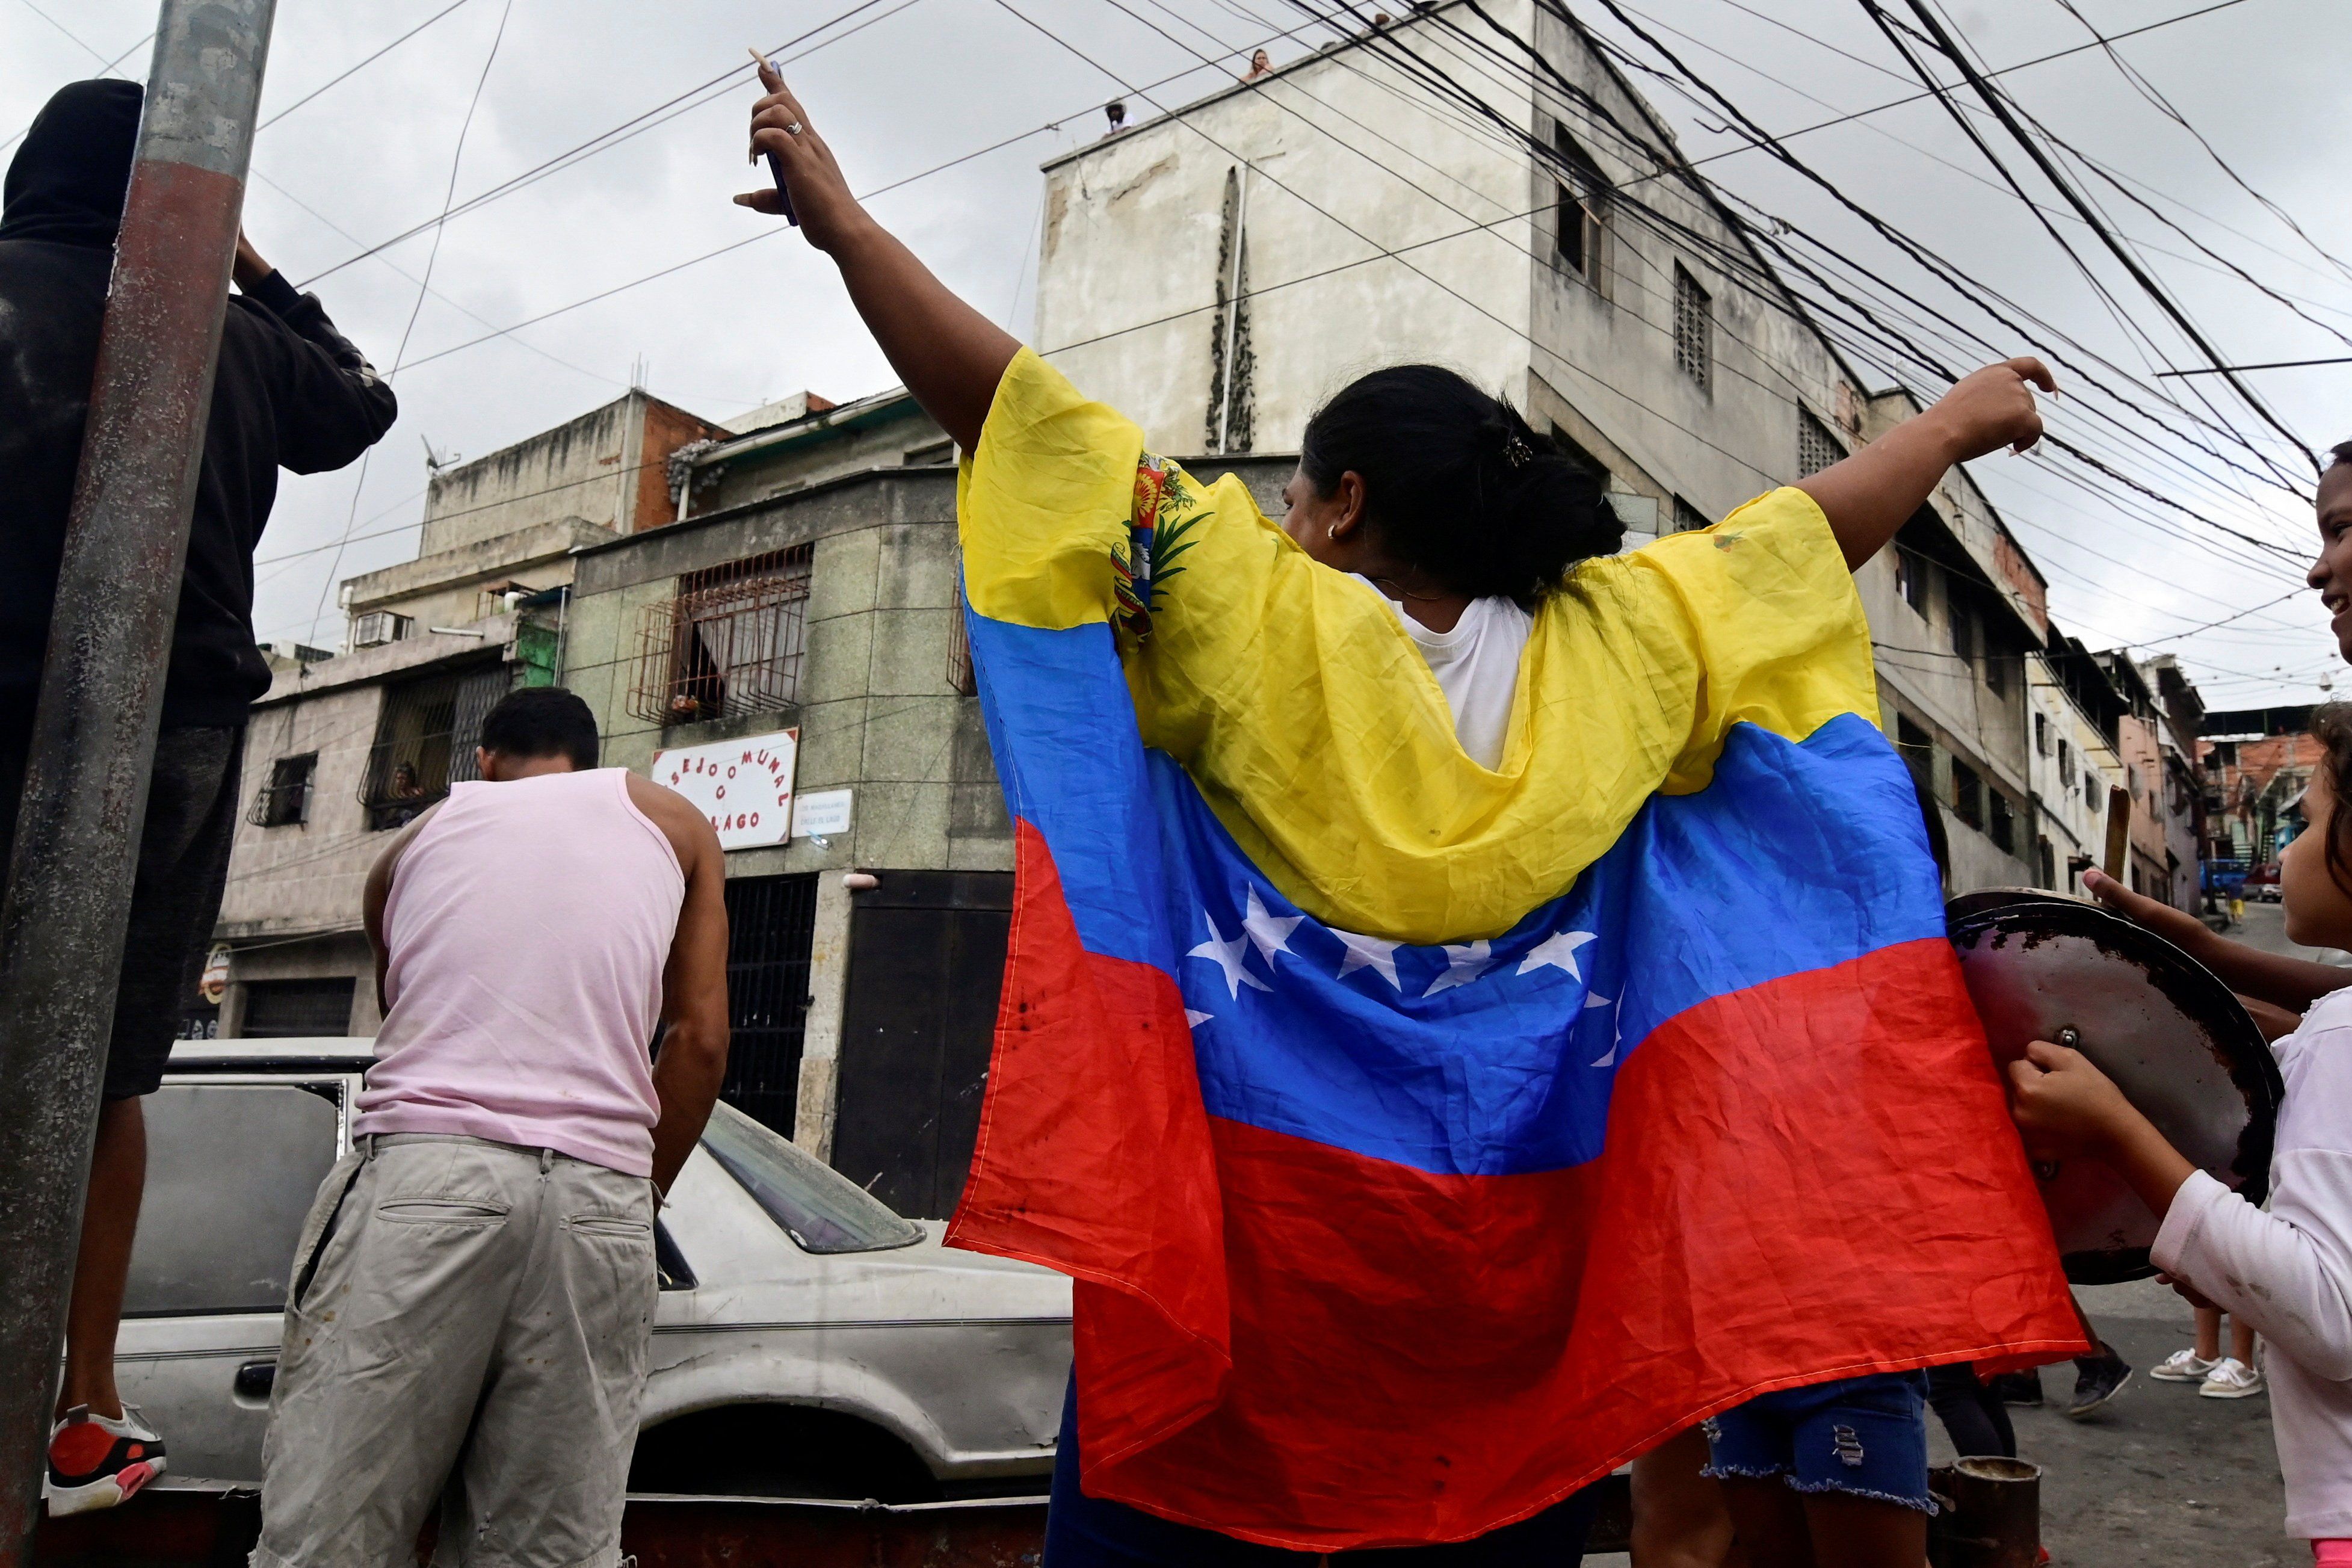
(289, 393)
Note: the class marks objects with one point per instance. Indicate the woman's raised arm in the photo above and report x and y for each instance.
(949, 354)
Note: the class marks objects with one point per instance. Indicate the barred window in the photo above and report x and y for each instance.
(1996, 667)
(425, 741)
(1964, 629)
(959, 676)
(2065, 765)
(732, 642)
(1693, 329)
(1687, 517)
(1816, 448)
(285, 800)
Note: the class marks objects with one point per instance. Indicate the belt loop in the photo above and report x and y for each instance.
(546, 1161)
(368, 1139)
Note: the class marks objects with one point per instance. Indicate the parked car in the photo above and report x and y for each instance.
(810, 1342)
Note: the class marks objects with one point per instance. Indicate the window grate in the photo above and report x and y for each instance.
(771, 924)
(425, 742)
(1816, 448)
(730, 643)
(961, 678)
(1687, 517)
(1693, 329)
(285, 800)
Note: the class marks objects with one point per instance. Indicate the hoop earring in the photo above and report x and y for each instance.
(1332, 532)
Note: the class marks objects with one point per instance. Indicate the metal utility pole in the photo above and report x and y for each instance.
(69, 893)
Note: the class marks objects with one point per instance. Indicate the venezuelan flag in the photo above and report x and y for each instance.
(1428, 1141)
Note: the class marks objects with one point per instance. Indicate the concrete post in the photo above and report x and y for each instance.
(69, 893)
(828, 988)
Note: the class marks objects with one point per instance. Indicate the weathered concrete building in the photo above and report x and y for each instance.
(808, 608)
(2076, 715)
(341, 750)
(1217, 272)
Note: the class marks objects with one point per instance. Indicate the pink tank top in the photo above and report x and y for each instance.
(529, 923)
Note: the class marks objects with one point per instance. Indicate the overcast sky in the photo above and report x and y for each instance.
(905, 85)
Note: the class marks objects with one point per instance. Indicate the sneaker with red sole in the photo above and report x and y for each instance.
(97, 1462)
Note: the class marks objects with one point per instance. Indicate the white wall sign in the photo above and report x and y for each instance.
(823, 814)
(744, 787)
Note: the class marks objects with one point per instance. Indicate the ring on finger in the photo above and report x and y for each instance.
(794, 128)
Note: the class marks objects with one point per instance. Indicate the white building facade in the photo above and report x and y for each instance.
(1216, 273)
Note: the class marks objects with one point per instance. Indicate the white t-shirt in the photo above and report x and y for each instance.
(1477, 666)
(2287, 1272)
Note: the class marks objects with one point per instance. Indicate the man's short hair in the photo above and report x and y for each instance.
(2341, 453)
(542, 721)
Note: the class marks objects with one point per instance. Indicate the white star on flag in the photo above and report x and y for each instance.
(1615, 1038)
(1227, 956)
(1368, 952)
(1463, 964)
(1557, 950)
(1195, 1019)
(1268, 933)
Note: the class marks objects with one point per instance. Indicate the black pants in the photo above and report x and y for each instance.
(1972, 1413)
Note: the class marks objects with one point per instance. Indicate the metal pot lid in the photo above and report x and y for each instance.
(2161, 1025)
(1961, 908)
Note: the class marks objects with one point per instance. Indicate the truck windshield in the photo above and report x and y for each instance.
(818, 1207)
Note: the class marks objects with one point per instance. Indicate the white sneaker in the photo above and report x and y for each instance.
(97, 1462)
(2183, 1366)
(2232, 1379)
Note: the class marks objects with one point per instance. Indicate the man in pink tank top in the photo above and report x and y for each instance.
(473, 1295)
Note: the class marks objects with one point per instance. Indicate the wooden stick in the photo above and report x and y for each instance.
(2118, 830)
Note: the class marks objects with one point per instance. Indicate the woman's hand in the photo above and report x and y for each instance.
(949, 355)
(2065, 1106)
(829, 215)
(1992, 409)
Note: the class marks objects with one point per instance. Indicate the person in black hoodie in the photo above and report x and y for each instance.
(289, 393)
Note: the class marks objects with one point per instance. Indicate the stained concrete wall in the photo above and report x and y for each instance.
(608, 466)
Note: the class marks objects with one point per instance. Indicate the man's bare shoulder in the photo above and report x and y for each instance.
(681, 821)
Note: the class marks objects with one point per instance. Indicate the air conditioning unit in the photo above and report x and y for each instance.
(378, 628)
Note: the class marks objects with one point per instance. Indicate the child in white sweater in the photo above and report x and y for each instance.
(2287, 1272)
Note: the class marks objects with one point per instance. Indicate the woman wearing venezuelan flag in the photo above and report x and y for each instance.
(1478, 1002)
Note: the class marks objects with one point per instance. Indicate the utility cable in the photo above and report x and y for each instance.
(457, 160)
(2121, 253)
(599, 143)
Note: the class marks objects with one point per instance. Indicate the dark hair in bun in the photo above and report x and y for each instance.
(1457, 484)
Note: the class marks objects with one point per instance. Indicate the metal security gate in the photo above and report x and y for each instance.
(770, 923)
(926, 964)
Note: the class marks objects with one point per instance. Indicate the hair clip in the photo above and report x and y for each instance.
(1516, 450)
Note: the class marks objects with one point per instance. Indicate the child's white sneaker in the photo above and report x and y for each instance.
(2232, 1379)
(2182, 1366)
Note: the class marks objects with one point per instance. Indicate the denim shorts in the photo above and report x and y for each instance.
(1865, 1436)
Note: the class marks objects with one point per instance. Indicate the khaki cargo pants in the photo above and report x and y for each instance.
(467, 1320)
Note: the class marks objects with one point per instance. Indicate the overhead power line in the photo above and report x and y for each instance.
(2121, 253)
(2268, 364)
